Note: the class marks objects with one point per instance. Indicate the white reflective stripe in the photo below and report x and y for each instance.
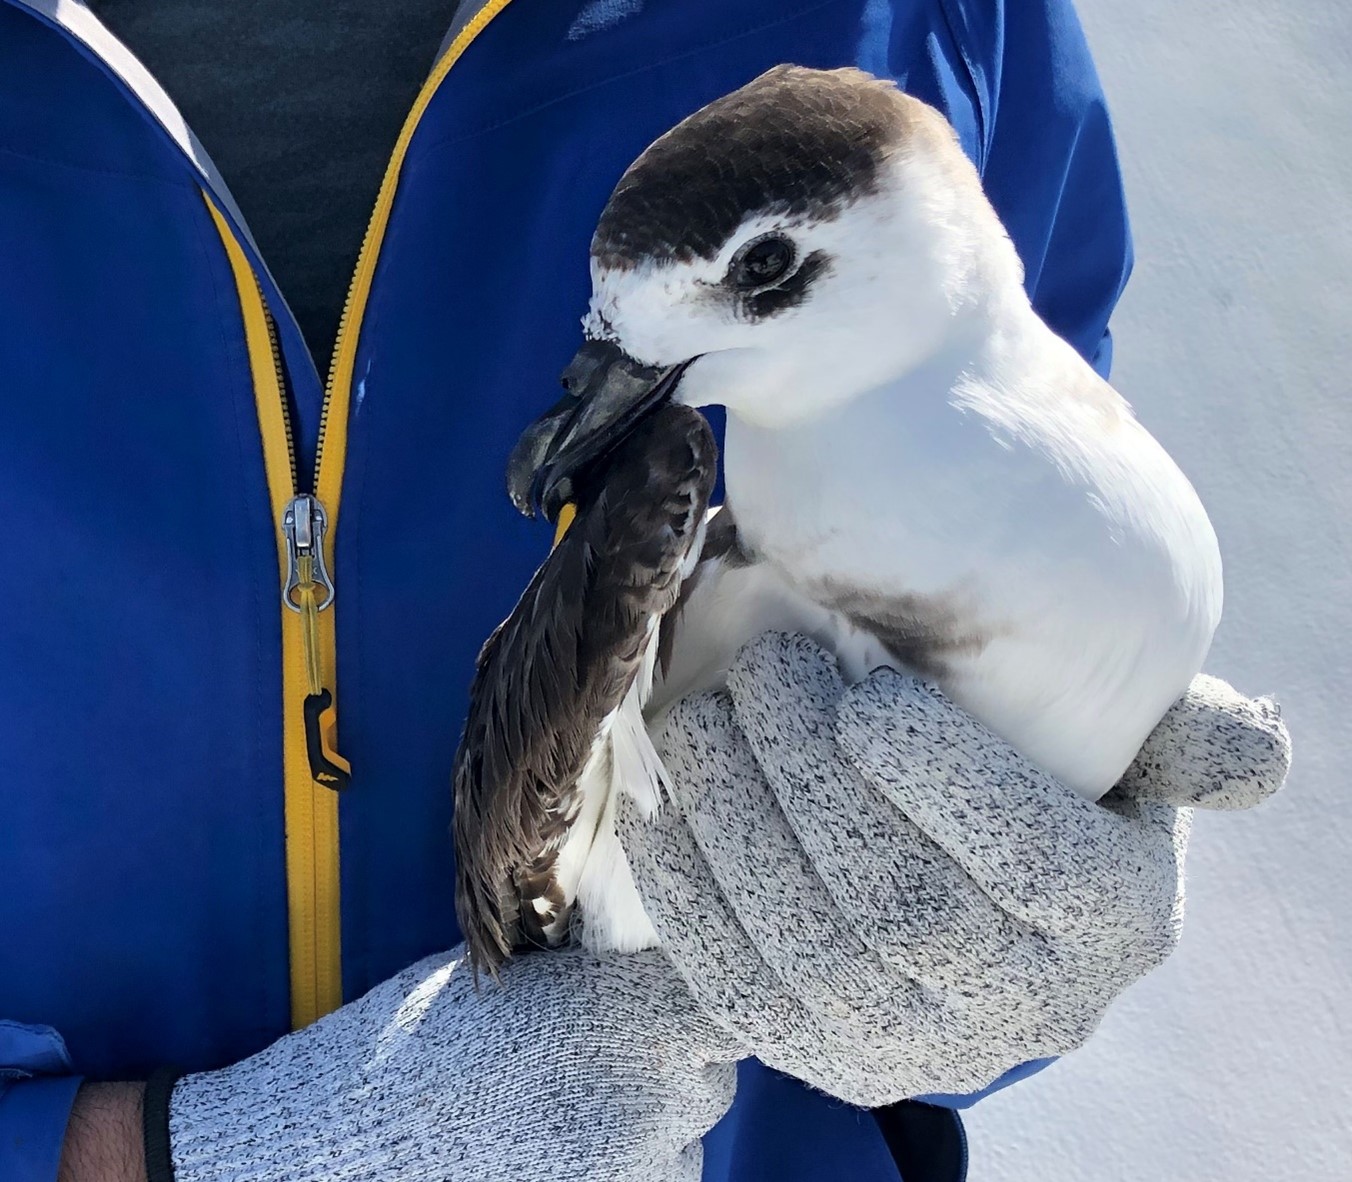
(81, 24)
(465, 13)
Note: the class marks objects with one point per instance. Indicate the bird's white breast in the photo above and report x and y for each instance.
(1025, 516)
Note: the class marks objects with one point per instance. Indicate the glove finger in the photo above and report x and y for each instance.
(782, 671)
(764, 874)
(1215, 749)
(1058, 863)
(730, 981)
(906, 897)
(698, 930)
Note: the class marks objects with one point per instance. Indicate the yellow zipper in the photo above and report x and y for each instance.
(275, 348)
(306, 535)
(333, 418)
(310, 808)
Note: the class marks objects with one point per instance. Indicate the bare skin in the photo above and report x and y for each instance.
(103, 1138)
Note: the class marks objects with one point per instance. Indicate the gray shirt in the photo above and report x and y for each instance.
(299, 103)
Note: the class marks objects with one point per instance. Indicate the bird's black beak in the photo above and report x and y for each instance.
(608, 393)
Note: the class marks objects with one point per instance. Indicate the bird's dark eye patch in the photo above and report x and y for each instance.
(788, 293)
(762, 262)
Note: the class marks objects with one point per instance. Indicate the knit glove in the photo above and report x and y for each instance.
(572, 1068)
(883, 899)
(865, 889)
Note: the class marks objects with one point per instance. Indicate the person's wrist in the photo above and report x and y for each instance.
(104, 1137)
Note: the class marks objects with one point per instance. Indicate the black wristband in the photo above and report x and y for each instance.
(155, 1124)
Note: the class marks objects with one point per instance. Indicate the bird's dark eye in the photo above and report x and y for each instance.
(761, 262)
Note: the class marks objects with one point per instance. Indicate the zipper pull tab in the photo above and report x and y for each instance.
(308, 591)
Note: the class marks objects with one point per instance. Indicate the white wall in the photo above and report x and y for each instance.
(1233, 1063)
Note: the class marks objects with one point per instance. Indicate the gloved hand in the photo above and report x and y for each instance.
(572, 1069)
(881, 898)
(864, 889)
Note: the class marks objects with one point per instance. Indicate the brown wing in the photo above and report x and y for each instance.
(557, 666)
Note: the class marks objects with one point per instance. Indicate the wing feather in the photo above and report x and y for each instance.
(561, 664)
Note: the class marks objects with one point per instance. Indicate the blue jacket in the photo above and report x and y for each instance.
(177, 888)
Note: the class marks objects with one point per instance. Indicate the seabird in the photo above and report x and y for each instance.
(919, 473)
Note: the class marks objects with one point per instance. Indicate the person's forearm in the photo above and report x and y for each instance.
(103, 1139)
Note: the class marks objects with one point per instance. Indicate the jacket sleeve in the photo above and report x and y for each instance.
(1052, 173)
(36, 1093)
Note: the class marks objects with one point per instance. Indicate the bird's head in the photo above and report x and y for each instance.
(787, 248)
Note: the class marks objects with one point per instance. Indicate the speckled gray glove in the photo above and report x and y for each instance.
(902, 904)
(863, 888)
(573, 1069)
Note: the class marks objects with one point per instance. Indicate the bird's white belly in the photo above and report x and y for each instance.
(1065, 623)
(1072, 671)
